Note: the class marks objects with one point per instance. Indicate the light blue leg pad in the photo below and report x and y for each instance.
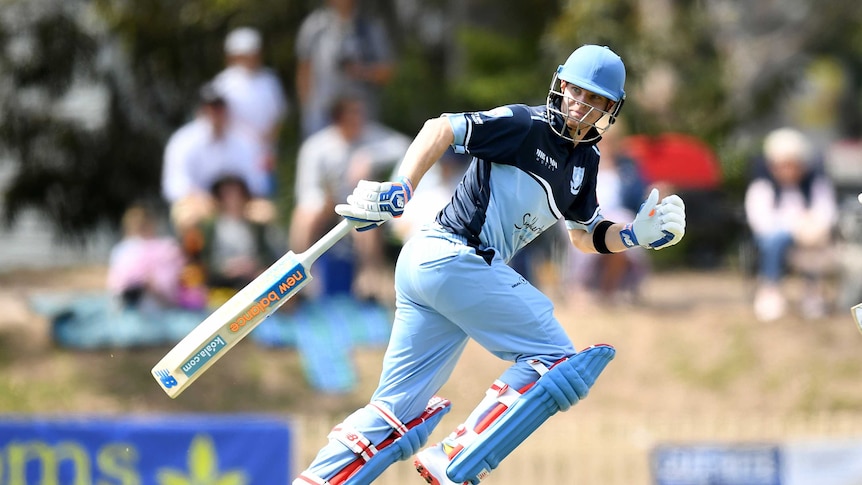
(402, 447)
(559, 389)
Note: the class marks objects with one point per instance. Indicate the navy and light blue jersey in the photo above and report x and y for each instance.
(522, 180)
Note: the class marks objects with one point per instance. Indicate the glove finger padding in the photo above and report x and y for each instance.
(672, 216)
(373, 203)
(656, 225)
(673, 201)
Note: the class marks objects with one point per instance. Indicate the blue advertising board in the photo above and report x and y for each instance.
(163, 450)
(719, 464)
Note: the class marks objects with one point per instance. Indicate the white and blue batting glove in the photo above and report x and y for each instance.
(657, 224)
(373, 203)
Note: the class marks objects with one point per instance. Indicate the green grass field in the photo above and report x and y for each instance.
(692, 344)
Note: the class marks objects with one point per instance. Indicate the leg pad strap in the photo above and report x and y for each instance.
(557, 390)
(403, 443)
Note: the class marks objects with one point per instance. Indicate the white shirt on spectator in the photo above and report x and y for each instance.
(194, 159)
(255, 99)
(329, 166)
(789, 212)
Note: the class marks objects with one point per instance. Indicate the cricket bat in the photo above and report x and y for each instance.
(238, 316)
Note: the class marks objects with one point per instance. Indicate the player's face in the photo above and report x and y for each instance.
(583, 107)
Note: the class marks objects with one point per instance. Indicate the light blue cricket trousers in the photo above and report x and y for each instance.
(447, 294)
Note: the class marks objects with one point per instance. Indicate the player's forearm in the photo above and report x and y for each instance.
(428, 146)
(613, 240)
(585, 241)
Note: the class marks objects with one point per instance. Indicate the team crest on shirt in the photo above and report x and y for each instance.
(577, 180)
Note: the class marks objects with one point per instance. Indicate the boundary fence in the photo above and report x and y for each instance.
(599, 448)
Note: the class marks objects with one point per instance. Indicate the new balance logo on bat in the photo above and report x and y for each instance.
(275, 293)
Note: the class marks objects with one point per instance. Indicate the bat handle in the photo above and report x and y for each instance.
(327, 241)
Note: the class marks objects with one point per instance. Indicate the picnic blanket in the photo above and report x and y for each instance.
(324, 332)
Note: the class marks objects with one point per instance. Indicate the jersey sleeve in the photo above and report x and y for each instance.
(491, 135)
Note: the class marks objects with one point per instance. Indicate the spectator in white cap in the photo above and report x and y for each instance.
(791, 210)
(254, 94)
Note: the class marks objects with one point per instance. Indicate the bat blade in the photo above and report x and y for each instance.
(237, 317)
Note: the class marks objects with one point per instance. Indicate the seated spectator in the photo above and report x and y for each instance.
(329, 165)
(235, 249)
(791, 207)
(144, 268)
(200, 152)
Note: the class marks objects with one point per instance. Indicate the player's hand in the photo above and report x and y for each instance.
(373, 203)
(657, 224)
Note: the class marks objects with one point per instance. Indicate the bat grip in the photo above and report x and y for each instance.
(327, 241)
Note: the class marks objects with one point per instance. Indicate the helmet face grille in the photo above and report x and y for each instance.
(553, 105)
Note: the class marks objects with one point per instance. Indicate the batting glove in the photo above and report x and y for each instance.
(373, 203)
(657, 224)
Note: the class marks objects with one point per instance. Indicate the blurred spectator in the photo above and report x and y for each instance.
(791, 208)
(339, 48)
(200, 152)
(329, 165)
(620, 189)
(235, 248)
(144, 268)
(254, 95)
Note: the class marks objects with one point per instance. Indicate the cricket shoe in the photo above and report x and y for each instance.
(431, 464)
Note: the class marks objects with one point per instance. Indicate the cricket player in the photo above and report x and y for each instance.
(532, 165)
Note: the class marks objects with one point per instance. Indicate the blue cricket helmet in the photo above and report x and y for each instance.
(594, 68)
(597, 69)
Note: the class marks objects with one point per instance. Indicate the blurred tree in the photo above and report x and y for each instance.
(175, 47)
(52, 115)
(91, 89)
(717, 70)
(501, 54)
(673, 66)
